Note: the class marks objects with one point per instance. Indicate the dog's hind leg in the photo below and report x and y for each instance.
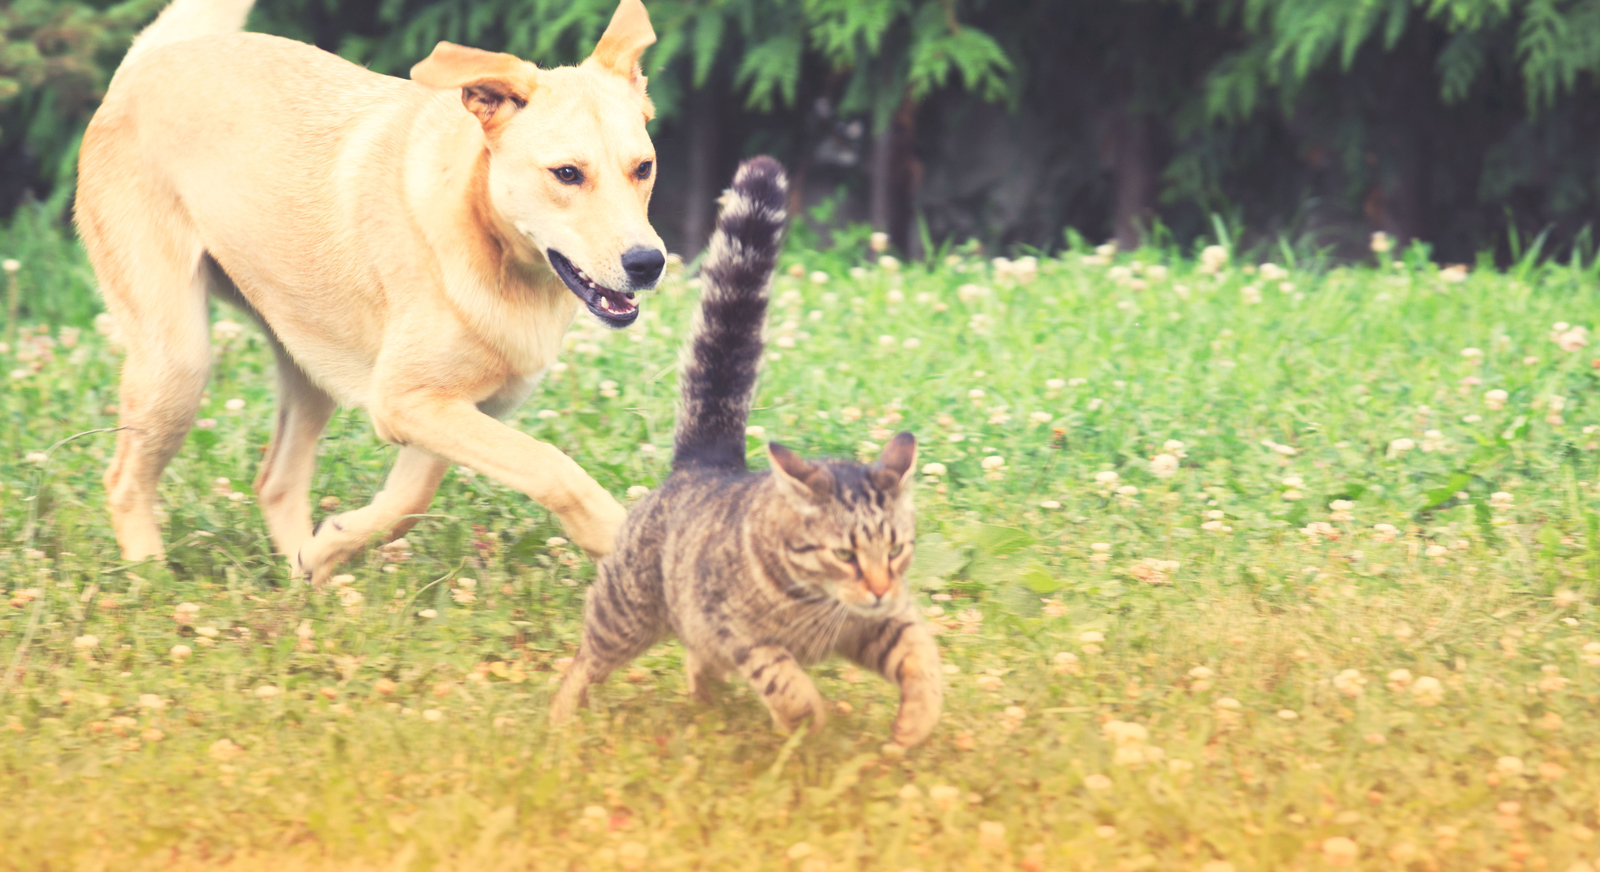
(408, 491)
(283, 486)
(155, 286)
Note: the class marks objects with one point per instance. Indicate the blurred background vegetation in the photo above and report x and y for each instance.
(1467, 124)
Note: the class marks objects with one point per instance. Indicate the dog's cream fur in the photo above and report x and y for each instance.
(391, 236)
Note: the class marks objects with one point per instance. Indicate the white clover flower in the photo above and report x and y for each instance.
(895, 296)
(36, 457)
(1455, 273)
(1350, 682)
(993, 461)
(226, 330)
(1213, 258)
(1106, 477)
(933, 469)
(1040, 417)
(1568, 337)
(1250, 294)
(971, 293)
(1271, 272)
(878, 242)
(756, 430)
(1173, 447)
(86, 643)
(886, 341)
(1433, 440)
(11, 265)
(1427, 691)
(1472, 353)
(266, 691)
(180, 653)
(888, 263)
(1164, 465)
(1091, 637)
(234, 404)
(858, 273)
(819, 277)
(911, 344)
(1384, 532)
(1381, 243)
(1050, 504)
(429, 614)
(1400, 446)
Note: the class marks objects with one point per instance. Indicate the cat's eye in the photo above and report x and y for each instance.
(568, 175)
(845, 555)
(897, 550)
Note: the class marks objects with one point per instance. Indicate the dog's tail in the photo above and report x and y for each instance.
(187, 19)
(718, 368)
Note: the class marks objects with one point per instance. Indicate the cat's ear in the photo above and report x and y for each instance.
(896, 463)
(797, 475)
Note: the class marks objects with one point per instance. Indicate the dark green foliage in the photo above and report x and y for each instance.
(55, 60)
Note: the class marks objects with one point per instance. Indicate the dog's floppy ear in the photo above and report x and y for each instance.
(493, 85)
(625, 39)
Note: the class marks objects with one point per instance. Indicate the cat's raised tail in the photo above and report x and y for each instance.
(717, 373)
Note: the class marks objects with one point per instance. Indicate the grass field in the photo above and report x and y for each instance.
(1236, 568)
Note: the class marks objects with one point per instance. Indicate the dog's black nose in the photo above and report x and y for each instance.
(643, 265)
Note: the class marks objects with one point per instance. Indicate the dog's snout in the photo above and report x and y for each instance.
(643, 265)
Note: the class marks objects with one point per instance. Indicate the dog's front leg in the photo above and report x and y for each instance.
(457, 431)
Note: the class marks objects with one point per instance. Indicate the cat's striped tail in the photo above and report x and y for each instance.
(717, 373)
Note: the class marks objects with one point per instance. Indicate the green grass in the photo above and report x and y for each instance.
(401, 741)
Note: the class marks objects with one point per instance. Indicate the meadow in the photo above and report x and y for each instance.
(1237, 566)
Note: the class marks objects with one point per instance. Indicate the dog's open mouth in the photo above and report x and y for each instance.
(615, 308)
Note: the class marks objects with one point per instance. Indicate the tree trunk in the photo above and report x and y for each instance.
(702, 163)
(1134, 174)
(895, 175)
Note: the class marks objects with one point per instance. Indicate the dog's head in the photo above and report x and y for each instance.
(571, 167)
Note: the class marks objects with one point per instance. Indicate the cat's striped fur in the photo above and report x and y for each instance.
(760, 574)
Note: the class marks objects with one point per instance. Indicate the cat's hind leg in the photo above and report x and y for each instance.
(787, 690)
(698, 673)
(617, 627)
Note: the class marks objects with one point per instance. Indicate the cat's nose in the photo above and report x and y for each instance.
(877, 581)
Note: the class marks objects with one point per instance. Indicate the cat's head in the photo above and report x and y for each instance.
(847, 529)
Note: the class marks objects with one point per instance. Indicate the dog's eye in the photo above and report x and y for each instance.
(845, 555)
(897, 550)
(643, 172)
(568, 175)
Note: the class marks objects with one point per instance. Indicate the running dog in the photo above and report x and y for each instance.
(416, 248)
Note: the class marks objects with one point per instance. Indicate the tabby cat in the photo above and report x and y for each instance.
(760, 573)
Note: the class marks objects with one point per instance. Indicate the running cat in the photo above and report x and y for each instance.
(760, 573)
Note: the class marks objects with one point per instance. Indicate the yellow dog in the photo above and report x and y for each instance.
(416, 248)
